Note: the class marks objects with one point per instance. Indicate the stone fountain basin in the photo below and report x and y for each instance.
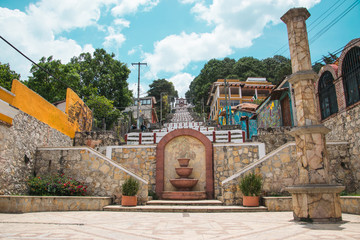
(184, 162)
(184, 172)
(184, 184)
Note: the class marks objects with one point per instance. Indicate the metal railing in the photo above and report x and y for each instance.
(233, 136)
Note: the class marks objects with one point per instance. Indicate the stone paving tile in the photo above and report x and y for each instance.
(161, 226)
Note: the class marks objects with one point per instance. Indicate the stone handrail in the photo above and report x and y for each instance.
(100, 156)
(263, 159)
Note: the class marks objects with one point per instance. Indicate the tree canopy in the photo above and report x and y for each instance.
(167, 90)
(7, 76)
(94, 77)
(274, 69)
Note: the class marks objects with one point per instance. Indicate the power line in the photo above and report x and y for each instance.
(324, 15)
(334, 21)
(32, 61)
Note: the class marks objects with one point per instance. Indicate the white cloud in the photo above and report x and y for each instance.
(182, 82)
(235, 25)
(39, 30)
(122, 22)
(132, 6)
(143, 89)
(114, 39)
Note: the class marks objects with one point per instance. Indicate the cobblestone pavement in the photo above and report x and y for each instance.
(131, 225)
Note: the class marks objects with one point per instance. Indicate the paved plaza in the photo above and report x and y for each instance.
(137, 225)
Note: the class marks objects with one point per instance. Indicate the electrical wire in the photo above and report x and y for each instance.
(46, 71)
(333, 22)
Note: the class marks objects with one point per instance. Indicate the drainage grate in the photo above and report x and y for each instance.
(186, 215)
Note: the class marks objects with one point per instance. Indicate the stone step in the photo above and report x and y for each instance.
(186, 202)
(180, 208)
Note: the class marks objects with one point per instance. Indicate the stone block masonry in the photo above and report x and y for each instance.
(102, 176)
(141, 160)
(25, 204)
(18, 144)
(229, 159)
(345, 126)
(279, 170)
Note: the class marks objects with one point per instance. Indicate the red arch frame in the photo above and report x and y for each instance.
(160, 150)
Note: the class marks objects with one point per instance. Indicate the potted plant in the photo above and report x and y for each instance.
(129, 189)
(250, 186)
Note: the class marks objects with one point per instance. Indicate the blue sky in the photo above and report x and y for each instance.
(174, 37)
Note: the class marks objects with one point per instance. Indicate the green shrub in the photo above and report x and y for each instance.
(56, 185)
(130, 187)
(250, 185)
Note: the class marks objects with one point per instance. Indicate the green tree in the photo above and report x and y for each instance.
(101, 71)
(103, 109)
(211, 72)
(276, 68)
(167, 90)
(248, 67)
(7, 76)
(50, 88)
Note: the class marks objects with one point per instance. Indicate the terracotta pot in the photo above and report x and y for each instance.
(251, 201)
(184, 162)
(128, 201)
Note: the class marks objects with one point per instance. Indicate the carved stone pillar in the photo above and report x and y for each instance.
(314, 199)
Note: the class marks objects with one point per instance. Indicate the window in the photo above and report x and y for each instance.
(351, 76)
(327, 95)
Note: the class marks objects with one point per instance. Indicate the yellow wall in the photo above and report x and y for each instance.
(6, 96)
(78, 113)
(33, 104)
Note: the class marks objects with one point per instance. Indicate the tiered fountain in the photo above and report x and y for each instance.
(184, 184)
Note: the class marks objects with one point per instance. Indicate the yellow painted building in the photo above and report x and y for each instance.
(236, 92)
(78, 116)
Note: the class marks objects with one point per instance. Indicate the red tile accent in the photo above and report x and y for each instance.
(208, 158)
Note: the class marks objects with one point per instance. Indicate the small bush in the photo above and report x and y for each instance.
(250, 185)
(130, 187)
(56, 185)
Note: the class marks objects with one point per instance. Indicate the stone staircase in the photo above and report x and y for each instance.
(196, 206)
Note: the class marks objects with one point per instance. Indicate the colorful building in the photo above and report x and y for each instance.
(277, 109)
(236, 92)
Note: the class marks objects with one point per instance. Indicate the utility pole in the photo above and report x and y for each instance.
(226, 102)
(138, 97)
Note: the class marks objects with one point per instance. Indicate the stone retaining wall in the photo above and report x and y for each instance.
(345, 126)
(229, 159)
(102, 176)
(279, 170)
(25, 204)
(18, 145)
(140, 159)
(274, 137)
(95, 139)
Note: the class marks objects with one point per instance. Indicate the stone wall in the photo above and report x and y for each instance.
(279, 170)
(229, 159)
(345, 126)
(96, 139)
(18, 144)
(102, 176)
(25, 204)
(273, 137)
(140, 159)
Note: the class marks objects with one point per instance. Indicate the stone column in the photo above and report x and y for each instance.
(314, 199)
